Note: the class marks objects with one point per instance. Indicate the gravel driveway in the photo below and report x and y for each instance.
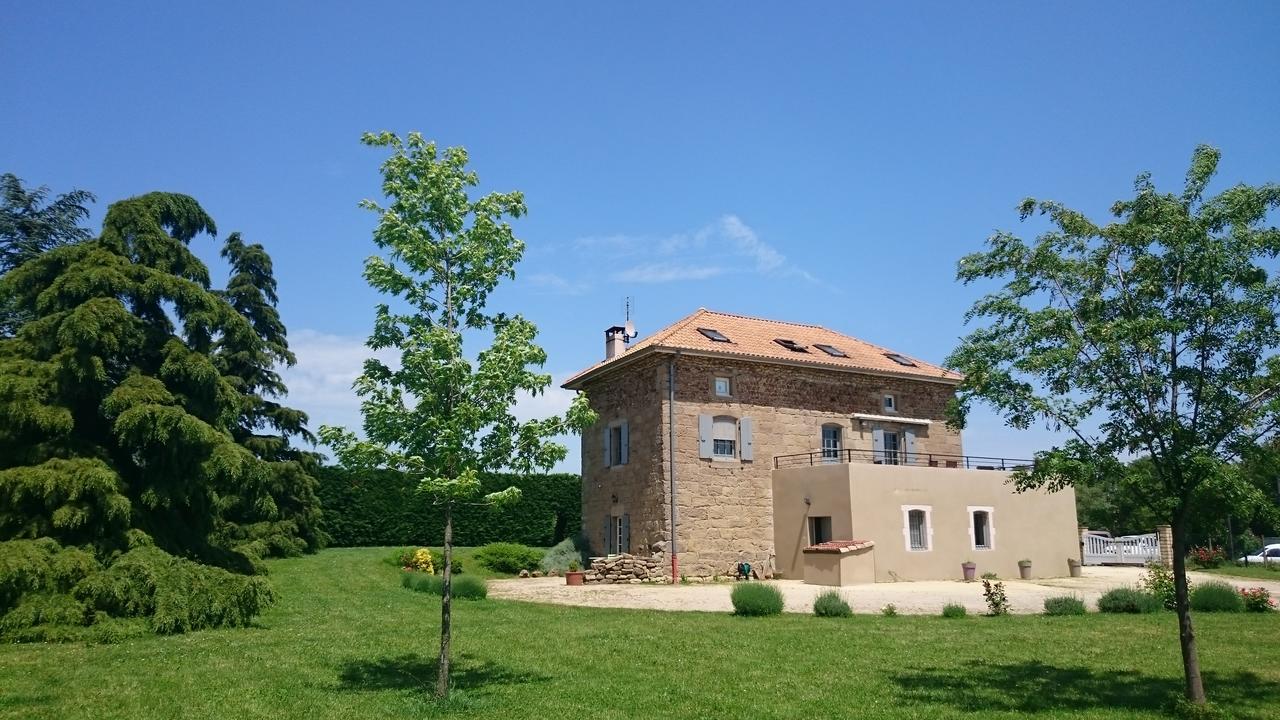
(919, 598)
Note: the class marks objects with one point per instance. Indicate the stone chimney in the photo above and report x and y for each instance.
(615, 342)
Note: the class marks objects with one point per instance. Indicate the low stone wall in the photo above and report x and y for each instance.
(624, 568)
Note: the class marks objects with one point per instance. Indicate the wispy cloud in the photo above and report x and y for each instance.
(666, 272)
(725, 246)
(553, 284)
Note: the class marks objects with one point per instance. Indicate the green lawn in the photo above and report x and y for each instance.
(346, 641)
(1257, 572)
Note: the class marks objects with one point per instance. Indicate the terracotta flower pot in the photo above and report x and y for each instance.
(574, 577)
(970, 571)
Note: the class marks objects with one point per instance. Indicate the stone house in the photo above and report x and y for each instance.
(701, 422)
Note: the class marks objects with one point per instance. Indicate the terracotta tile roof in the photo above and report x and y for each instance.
(839, 546)
(756, 338)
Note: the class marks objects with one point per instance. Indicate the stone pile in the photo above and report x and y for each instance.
(624, 568)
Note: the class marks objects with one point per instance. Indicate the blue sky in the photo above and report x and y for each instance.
(826, 164)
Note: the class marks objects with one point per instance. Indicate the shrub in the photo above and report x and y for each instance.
(1064, 605)
(465, 587)
(437, 561)
(997, 601)
(755, 599)
(1207, 557)
(954, 610)
(889, 610)
(988, 575)
(1128, 600)
(1216, 596)
(1257, 599)
(509, 558)
(178, 595)
(830, 604)
(1158, 580)
(563, 554)
(470, 587)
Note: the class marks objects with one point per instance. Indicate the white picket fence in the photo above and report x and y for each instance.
(1127, 550)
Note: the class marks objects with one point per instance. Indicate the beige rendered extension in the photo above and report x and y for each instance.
(871, 502)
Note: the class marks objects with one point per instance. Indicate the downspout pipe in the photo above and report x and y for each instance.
(671, 461)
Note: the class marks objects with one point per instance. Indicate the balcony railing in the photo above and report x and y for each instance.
(898, 457)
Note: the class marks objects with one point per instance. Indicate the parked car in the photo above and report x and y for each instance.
(1268, 554)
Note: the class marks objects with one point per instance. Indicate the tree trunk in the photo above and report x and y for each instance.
(1186, 635)
(446, 603)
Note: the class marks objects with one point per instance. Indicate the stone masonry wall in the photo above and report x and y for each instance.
(725, 508)
(636, 394)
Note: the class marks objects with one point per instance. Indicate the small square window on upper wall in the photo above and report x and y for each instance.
(723, 387)
(890, 402)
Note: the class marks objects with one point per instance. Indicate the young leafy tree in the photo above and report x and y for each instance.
(29, 226)
(282, 517)
(1153, 336)
(440, 414)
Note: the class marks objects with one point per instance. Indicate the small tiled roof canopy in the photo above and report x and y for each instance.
(771, 341)
(839, 546)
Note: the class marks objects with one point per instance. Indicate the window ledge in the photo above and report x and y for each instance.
(892, 418)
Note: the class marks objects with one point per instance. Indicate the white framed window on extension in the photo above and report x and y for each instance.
(617, 443)
(725, 438)
(917, 527)
(982, 528)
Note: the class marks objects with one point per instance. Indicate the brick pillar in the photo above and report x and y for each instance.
(1164, 536)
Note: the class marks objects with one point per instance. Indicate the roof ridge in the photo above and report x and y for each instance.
(761, 319)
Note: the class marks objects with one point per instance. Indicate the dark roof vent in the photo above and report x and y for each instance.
(830, 350)
(713, 335)
(791, 345)
(908, 362)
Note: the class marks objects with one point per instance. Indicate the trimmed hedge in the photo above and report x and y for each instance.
(1129, 600)
(464, 587)
(384, 508)
(1064, 605)
(1216, 596)
(830, 604)
(755, 599)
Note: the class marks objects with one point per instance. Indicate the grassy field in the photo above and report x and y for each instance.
(346, 641)
(1257, 572)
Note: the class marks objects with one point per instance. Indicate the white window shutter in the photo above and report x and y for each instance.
(744, 429)
(626, 444)
(626, 533)
(704, 436)
(877, 445)
(910, 436)
(608, 454)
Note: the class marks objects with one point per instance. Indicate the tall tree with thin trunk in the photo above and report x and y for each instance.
(1153, 336)
(438, 413)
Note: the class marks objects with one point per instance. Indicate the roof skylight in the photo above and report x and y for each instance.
(830, 350)
(791, 345)
(713, 335)
(908, 362)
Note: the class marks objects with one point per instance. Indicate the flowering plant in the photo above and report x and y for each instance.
(1257, 599)
(1207, 557)
(419, 560)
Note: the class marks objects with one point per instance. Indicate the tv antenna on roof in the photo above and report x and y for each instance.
(629, 328)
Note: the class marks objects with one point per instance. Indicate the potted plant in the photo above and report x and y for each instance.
(970, 569)
(573, 576)
(1074, 566)
(1024, 569)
